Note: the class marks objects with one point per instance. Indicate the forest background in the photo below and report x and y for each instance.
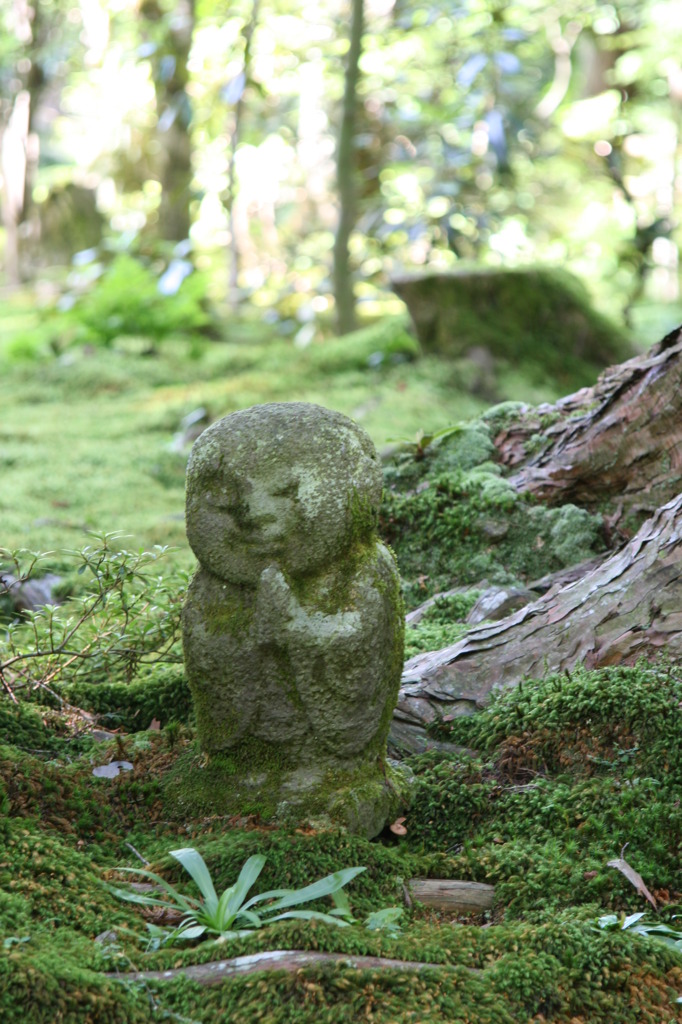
(295, 156)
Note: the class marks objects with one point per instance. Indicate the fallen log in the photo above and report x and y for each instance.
(628, 607)
(291, 960)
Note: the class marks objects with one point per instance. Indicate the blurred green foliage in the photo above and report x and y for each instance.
(126, 301)
(501, 133)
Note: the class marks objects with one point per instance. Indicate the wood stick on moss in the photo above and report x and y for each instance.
(280, 960)
(452, 894)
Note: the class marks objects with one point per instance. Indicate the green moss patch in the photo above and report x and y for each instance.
(452, 518)
(159, 692)
(572, 769)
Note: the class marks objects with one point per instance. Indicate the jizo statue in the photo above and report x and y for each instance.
(293, 623)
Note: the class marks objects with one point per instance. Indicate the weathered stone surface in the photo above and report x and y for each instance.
(293, 624)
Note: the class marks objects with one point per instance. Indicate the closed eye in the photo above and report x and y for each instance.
(287, 491)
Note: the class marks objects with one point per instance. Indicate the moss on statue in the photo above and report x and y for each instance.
(360, 799)
(293, 624)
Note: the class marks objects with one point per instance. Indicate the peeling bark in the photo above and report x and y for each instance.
(617, 443)
(628, 607)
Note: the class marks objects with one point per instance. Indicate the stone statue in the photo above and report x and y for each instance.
(293, 623)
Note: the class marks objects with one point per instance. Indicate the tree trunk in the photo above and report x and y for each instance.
(345, 177)
(171, 78)
(230, 196)
(619, 442)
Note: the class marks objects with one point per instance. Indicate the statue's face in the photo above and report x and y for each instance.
(282, 497)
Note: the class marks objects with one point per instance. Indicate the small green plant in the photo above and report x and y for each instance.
(385, 920)
(216, 915)
(128, 300)
(421, 442)
(635, 926)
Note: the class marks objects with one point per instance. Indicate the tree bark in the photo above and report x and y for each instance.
(229, 197)
(629, 607)
(171, 78)
(619, 442)
(345, 177)
(452, 895)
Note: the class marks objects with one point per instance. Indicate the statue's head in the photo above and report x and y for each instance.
(290, 484)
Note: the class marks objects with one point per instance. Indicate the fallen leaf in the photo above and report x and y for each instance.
(397, 828)
(111, 770)
(620, 864)
(587, 875)
(155, 724)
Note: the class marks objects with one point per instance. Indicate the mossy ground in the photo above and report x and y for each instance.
(566, 772)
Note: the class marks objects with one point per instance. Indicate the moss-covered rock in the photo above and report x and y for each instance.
(537, 318)
(453, 518)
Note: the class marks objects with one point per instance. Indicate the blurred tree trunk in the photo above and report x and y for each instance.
(18, 144)
(345, 177)
(236, 90)
(615, 446)
(173, 33)
(13, 164)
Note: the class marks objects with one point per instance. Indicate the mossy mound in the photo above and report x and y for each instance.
(453, 519)
(571, 770)
(157, 692)
(441, 625)
(538, 318)
(385, 343)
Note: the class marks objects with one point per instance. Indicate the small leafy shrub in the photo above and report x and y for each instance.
(124, 616)
(217, 914)
(127, 301)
